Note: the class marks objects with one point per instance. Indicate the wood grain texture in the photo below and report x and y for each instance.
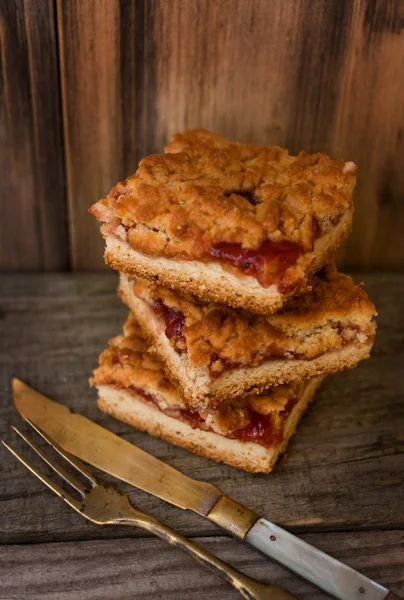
(91, 87)
(319, 76)
(105, 70)
(368, 126)
(254, 71)
(33, 226)
(345, 466)
(147, 568)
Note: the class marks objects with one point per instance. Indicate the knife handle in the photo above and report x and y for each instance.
(314, 565)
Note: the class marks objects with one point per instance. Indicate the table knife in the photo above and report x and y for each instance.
(108, 452)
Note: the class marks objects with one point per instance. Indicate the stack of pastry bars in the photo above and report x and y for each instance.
(237, 310)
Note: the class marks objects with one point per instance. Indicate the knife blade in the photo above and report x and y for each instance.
(101, 448)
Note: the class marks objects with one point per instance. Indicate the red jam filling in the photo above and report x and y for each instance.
(268, 264)
(193, 418)
(259, 431)
(174, 321)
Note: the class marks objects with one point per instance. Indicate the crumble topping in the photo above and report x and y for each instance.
(332, 312)
(127, 364)
(205, 191)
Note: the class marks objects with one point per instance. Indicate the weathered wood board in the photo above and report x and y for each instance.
(89, 88)
(342, 485)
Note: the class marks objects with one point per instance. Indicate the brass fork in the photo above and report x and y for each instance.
(105, 504)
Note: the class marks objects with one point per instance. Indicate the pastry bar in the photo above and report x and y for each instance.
(249, 433)
(236, 224)
(215, 353)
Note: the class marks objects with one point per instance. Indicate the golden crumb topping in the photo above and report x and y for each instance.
(237, 414)
(331, 312)
(206, 190)
(127, 364)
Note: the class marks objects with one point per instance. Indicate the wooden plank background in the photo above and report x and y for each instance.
(88, 88)
(33, 229)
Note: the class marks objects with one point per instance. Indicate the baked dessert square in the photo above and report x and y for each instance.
(215, 353)
(249, 433)
(241, 225)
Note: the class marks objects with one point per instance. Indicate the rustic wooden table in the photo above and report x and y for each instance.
(342, 487)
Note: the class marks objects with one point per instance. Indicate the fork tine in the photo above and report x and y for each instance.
(66, 455)
(53, 464)
(46, 480)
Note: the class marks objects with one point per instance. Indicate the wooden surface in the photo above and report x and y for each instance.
(318, 75)
(128, 568)
(342, 487)
(89, 56)
(33, 223)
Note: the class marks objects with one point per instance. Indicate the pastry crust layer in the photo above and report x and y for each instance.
(201, 391)
(243, 455)
(126, 363)
(206, 192)
(211, 281)
(326, 330)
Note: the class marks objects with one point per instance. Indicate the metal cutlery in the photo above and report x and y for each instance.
(112, 454)
(104, 504)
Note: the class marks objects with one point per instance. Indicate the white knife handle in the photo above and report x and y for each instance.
(314, 565)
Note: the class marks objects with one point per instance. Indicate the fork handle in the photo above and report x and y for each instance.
(249, 588)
